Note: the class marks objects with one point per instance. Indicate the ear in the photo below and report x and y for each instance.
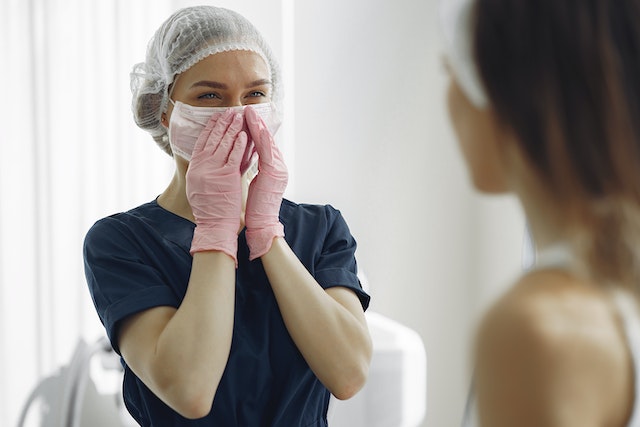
(164, 120)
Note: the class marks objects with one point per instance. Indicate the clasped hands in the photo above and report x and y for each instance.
(214, 185)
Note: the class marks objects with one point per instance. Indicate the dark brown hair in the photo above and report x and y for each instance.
(564, 75)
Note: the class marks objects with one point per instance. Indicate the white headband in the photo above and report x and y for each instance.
(456, 25)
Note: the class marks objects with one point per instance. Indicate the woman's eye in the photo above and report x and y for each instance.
(257, 94)
(209, 96)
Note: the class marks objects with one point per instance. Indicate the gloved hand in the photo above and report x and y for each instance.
(213, 185)
(266, 190)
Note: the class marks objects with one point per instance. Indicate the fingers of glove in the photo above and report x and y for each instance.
(217, 174)
(271, 159)
(260, 134)
(237, 151)
(219, 122)
(215, 154)
(254, 121)
(224, 137)
(257, 128)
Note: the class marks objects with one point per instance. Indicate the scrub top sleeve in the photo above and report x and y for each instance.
(120, 283)
(336, 265)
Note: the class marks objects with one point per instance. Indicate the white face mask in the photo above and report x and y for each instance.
(187, 122)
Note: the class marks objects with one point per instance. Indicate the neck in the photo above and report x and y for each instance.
(174, 197)
(546, 222)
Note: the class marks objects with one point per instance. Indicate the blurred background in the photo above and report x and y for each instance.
(365, 129)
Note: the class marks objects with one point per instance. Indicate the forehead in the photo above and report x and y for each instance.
(234, 64)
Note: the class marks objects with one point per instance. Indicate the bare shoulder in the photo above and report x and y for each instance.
(552, 352)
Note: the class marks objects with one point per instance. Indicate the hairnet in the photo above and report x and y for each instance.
(186, 37)
(457, 26)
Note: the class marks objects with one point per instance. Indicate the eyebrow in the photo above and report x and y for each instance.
(218, 85)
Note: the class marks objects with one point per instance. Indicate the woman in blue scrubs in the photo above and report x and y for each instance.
(229, 305)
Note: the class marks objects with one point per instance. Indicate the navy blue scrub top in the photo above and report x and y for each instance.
(140, 259)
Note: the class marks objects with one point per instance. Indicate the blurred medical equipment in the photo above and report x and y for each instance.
(78, 394)
(87, 391)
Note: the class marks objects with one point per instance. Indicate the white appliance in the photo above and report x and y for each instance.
(395, 394)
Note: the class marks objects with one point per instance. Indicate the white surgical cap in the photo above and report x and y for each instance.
(457, 26)
(188, 36)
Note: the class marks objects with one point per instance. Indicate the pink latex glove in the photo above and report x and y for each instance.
(266, 190)
(214, 187)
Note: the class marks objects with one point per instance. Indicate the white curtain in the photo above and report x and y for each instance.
(70, 155)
